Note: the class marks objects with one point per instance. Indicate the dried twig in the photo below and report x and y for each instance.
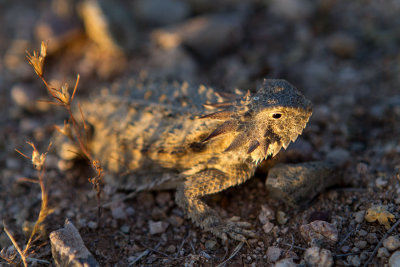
(235, 251)
(380, 243)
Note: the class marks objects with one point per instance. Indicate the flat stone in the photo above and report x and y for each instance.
(68, 249)
(158, 227)
(394, 260)
(297, 184)
(273, 253)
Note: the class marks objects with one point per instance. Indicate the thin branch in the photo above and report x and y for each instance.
(381, 242)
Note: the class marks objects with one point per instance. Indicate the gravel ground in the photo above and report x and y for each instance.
(343, 55)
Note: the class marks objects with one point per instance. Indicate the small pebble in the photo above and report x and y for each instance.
(359, 216)
(319, 232)
(175, 220)
(273, 253)
(118, 212)
(268, 227)
(362, 233)
(372, 238)
(317, 257)
(383, 253)
(130, 211)
(281, 217)
(171, 249)
(345, 249)
(381, 182)
(266, 214)
(288, 262)
(355, 261)
(158, 227)
(392, 243)
(125, 229)
(92, 225)
(211, 244)
(394, 260)
(361, 244)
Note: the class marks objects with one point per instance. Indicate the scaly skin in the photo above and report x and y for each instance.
(151, 136)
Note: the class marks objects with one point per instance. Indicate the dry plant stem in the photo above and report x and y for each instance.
(44, 210)
(23, 257)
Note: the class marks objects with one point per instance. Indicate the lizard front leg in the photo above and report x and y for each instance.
(209, 181)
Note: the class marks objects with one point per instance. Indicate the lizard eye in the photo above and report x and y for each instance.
(276, 115)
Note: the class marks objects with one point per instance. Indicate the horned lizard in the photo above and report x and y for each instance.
(151, 135)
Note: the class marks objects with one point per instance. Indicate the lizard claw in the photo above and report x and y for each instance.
(236, 230)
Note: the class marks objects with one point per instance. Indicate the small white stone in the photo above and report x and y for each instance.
(394, 260)
(317, 257)
(273, 253)
(268, 227)
(158, 227)
(266, 214)
(391, 243)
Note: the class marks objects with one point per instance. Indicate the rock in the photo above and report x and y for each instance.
(211, 244)
(267, 227)
(125, 229)
(318, 257)
(118, 211)
(317, 233)
(359, 216)
(394, 260)
(158, 227)
(361, 244)
(342, 44)
(285, 263)
(171, 249)
(296, 184)
(273, 253)
(355, 261)
(392, 243)
(372, 238)
(281, 217)
(266, 214)
(160, 12)
(68, 249)
(109, 24)
(345, 249)
(175, 220)
(92, 225)
(383, 253)
(207, 36)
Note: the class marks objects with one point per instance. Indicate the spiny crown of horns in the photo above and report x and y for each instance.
(262, 123)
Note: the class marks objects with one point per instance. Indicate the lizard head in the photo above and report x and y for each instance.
(265, 122)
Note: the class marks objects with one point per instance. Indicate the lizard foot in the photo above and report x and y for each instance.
(235, 229)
